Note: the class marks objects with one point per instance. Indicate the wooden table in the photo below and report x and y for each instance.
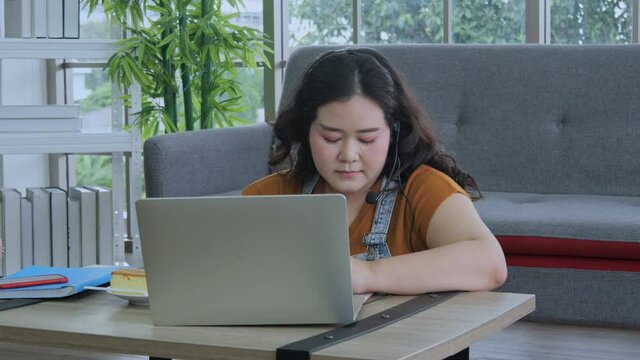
(99, 321)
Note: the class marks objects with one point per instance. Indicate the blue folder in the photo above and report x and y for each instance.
(78, 279)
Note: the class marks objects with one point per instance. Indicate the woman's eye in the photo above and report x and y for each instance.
(367, 141)
(332, 140)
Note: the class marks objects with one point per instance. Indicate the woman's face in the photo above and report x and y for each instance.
(349, 143)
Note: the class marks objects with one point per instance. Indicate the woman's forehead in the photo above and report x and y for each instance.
(357, 113)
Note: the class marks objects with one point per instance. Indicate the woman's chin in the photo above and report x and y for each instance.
(348, 189)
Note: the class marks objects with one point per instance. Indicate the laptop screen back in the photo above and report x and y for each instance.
(247, 260)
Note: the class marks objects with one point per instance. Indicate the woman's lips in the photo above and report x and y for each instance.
(348, 173)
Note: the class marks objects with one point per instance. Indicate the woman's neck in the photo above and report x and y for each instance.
(355, 201)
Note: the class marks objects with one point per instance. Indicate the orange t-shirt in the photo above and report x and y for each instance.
(426, 189)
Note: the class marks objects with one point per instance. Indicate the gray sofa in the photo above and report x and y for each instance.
(552, 135)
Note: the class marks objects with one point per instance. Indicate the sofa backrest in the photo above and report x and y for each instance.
(206, 162)
(561, 119)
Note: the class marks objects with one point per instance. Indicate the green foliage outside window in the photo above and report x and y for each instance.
(95, 30)
(488, 22)
(93, 170)
(591, 22)
(326, 22)
(252, 83)
(473, 21)
(100, 97)
(413, 21)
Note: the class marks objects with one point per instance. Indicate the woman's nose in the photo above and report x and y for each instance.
(349, 151)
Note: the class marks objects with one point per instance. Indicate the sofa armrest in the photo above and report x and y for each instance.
(206, 162)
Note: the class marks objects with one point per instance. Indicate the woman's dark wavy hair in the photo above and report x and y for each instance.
(338, 75)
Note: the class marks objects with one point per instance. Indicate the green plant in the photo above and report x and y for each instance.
(182, 53)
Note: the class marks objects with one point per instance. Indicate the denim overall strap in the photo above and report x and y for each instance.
(309, 185)
(376, 240)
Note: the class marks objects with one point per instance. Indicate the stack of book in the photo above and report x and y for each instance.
(50, 227)
(52, 19)
(40, 118)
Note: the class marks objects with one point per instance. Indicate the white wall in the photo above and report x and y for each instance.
(23, 82)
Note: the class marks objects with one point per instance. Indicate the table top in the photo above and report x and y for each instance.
(99, 321)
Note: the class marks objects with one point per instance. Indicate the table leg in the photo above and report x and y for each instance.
(462, 355)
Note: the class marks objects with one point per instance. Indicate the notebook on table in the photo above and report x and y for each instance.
(247, 260)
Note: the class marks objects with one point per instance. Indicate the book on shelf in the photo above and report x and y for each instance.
(59, 232)
(71, 20)
(17, 19)
(10, 231)
(55, 16)
(88, 238)
(73, 214)
(26, 232)
(41, 225)
(104, 223)
(78, 279)
(39, 19)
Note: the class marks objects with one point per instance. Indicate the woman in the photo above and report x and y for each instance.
(353, 127)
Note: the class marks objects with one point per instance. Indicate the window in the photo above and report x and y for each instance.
(473, 21)
(313, 22)
(488, 21)
(393, 22)
(591, 21)
(89, 88)
(251, 81)
(92, 92)
(95, 26)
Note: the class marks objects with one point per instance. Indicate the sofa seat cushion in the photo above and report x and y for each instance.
(572, 231)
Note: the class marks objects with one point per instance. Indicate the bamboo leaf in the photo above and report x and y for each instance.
(168, 123)
(184, 53)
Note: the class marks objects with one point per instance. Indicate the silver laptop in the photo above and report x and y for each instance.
(247, 260)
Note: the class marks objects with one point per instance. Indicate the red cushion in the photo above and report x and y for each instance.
(538, 245)
(572, 262)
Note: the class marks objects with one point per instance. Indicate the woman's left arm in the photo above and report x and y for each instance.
(463, 255)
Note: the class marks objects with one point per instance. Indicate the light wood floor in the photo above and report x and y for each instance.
(531, 340)
(522, 340)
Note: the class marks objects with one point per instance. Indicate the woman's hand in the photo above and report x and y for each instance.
(360, 276)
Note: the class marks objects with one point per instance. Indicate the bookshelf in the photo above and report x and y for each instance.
(125, 147)
(56, 49)
(65, 143)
